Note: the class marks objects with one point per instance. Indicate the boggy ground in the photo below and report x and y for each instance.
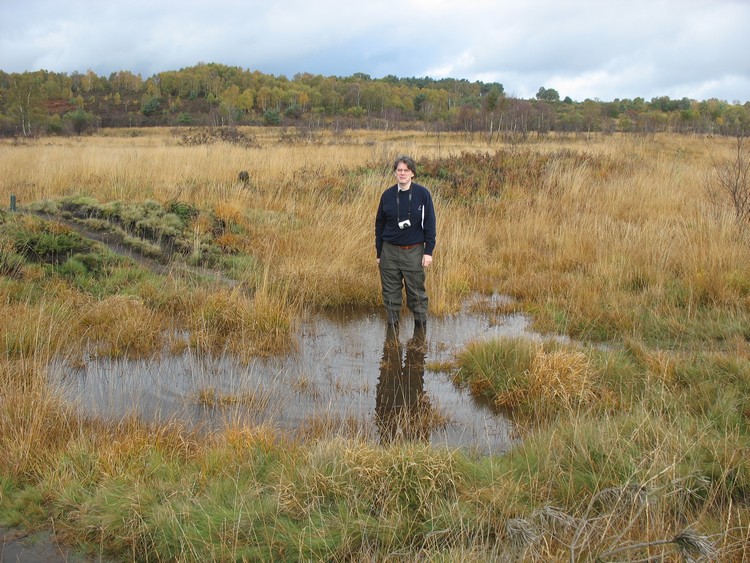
(346, 342)
(638, 449)
(17, 546)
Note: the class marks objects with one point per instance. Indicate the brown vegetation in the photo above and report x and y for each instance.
(638, 445)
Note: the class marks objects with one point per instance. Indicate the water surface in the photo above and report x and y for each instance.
(348, 375)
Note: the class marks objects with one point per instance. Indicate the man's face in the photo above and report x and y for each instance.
(403, 174)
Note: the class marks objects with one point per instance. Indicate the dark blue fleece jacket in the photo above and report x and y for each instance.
(414, 204)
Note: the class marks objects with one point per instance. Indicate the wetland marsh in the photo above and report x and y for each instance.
(228, 403)
(343, 366)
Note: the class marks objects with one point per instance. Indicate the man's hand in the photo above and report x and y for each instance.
(426, 260)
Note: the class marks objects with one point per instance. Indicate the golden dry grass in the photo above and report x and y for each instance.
(621, 245)
(564, 377)
(582, 235)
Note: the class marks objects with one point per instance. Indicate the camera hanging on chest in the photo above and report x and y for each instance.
(406, 222)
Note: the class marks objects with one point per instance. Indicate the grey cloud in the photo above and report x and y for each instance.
(693, 48)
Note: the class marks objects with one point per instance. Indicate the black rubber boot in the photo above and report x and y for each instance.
(420, 328)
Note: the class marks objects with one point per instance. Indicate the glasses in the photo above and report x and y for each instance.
(402, 170)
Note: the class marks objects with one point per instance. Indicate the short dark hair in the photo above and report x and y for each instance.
(409, 161)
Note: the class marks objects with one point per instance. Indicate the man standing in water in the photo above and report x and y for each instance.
(405, 232)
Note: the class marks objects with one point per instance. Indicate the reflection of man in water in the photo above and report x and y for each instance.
(401, 405)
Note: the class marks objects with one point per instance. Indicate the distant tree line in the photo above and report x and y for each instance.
(49, 103)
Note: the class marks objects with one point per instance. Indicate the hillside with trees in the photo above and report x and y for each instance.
(48, 103)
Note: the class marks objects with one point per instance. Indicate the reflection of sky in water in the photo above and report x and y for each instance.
(332, 377)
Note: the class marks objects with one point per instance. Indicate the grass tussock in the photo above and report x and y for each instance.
(634, 436)
(531, 378)
(123, 326)
(249, 494)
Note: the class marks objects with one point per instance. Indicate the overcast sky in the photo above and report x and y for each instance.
(598, 49)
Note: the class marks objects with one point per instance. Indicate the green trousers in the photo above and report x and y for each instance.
(399, 269)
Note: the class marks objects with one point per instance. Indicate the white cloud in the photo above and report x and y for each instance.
(582, 48)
